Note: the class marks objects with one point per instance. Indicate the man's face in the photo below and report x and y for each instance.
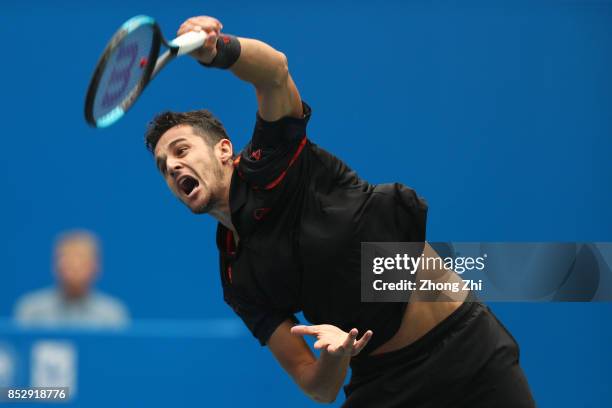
(191, 167)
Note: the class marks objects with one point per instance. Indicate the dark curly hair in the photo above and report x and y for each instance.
(203, 122)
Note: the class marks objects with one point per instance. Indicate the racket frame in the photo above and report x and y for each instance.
(149, 70)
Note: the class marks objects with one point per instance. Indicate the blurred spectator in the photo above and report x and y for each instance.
(73, 302)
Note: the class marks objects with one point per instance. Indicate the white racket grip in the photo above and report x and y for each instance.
(188, 42)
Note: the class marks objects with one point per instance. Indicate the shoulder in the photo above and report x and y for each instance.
(109, 306)
(40, 298)
(327, 166)
(35, 304)
(286, 129)
(274, 148)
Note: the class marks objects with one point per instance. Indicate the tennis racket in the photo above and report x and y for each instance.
(129, 62)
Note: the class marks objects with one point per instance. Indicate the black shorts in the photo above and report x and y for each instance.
(468, 360)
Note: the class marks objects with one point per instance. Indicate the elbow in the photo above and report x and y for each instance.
(323, 396)
(319, 388)
(281, 71)
(324, 399)
(327, 400)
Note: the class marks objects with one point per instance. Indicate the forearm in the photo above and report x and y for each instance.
(250, 60)
(260, 64)
(323, 378)
(320, 378)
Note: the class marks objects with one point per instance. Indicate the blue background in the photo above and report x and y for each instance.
(497, 112)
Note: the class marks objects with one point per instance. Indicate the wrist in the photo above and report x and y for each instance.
(227, 52)
(334, 357)
(204, 58)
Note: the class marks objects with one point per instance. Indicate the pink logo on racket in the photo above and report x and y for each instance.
(120, 76)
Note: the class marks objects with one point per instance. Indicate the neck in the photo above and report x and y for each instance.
(222, 211)
(74, 294)
(223, 215)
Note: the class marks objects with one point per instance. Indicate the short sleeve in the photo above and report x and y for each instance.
(273, 148)
(260, 320)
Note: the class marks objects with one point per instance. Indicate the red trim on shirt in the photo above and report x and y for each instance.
(280, 178)
(230, 247)
(256, 154)
(260, 213)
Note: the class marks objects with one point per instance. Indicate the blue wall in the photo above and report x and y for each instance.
(497, 112)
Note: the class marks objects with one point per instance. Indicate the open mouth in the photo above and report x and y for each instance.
(187, 184)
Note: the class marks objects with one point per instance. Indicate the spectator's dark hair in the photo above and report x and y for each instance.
(203, 122)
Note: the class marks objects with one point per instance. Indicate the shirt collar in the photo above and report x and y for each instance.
(238, 193)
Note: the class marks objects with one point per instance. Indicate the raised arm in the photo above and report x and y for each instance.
(257, 63)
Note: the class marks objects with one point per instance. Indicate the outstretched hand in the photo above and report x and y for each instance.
(334, 341)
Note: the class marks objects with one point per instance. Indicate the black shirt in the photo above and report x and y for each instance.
(301, 215)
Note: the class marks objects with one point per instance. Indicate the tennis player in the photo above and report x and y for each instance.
(291, 220)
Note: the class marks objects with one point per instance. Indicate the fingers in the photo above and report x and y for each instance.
(362, 342)
(302, 330)
(212, 27)
(334, 340)
(320, 344)
(211, 41)
(346, 348)
(208, 24)
(350, 339)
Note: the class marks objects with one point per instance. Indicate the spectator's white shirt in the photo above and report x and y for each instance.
(48, 307)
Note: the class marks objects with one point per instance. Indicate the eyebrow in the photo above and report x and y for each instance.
(162, 159)
(181, 139)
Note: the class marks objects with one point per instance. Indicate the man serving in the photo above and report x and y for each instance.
(291, 221)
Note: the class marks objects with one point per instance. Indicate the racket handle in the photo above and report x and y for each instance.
(188, 42)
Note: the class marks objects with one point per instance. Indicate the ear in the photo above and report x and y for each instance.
(225, 151)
